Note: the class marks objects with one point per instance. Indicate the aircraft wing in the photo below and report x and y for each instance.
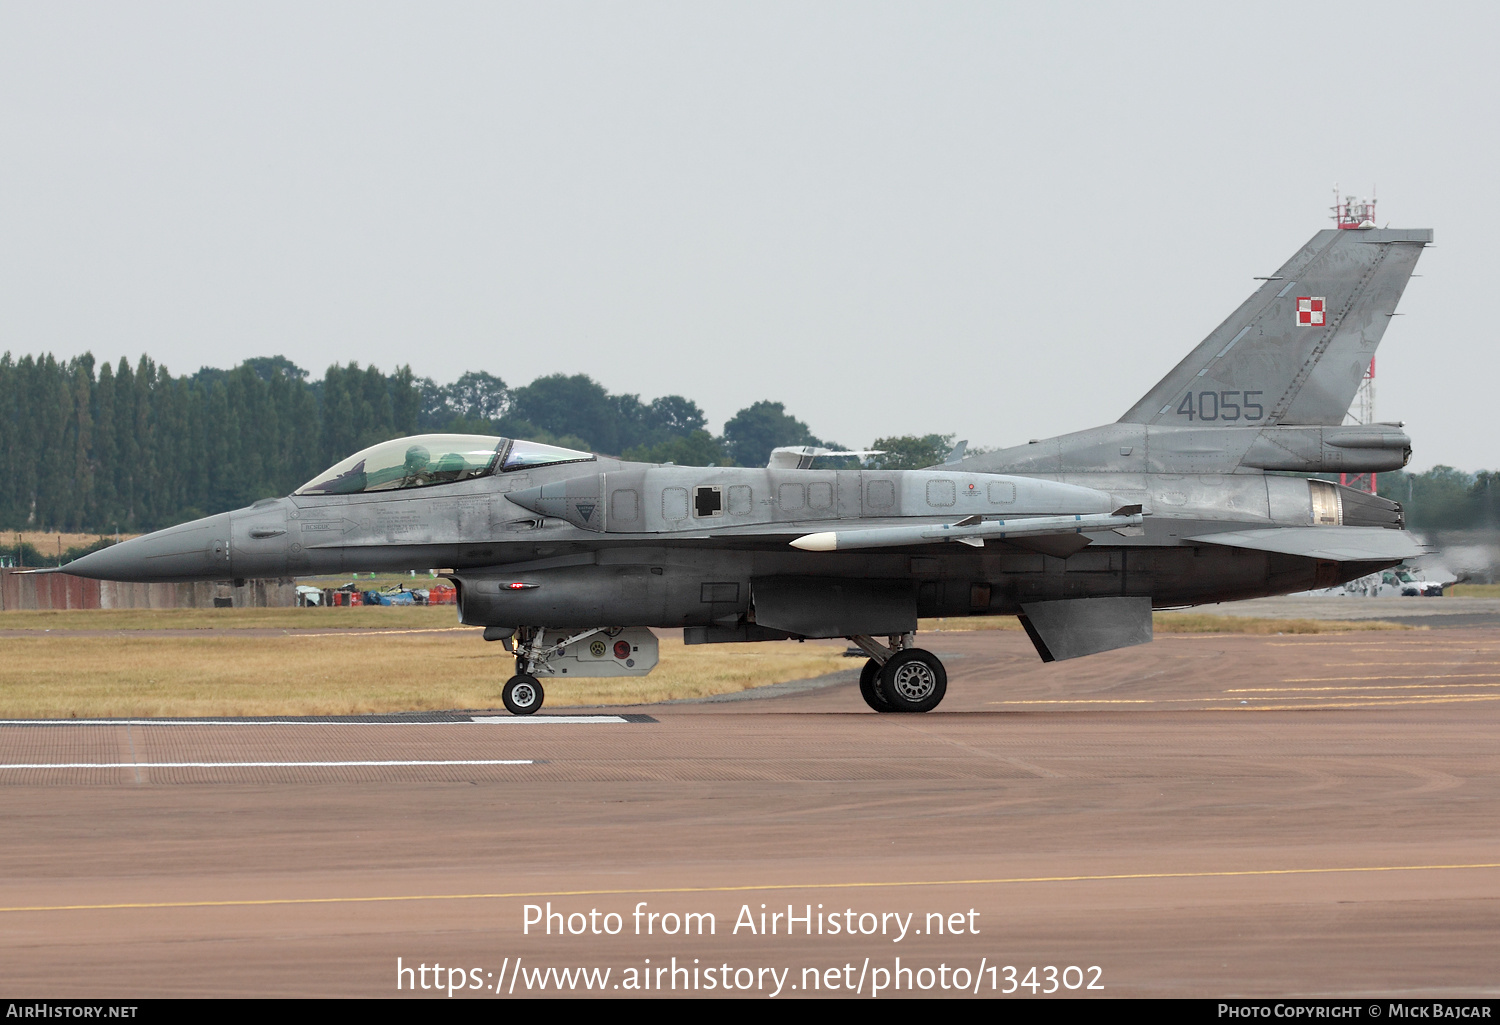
(1336, 544)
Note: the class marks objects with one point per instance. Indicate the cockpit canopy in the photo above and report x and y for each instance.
(431, 459)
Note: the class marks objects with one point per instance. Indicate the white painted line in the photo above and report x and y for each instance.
(318, 722)
(550, 718)
(257, 765)
(219, 722)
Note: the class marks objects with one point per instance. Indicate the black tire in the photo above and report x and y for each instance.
(913, 681)
(869, 687)
(522, 694)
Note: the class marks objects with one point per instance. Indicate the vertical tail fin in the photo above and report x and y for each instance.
(1295, 351)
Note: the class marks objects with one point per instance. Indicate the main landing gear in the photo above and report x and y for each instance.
(900, 678)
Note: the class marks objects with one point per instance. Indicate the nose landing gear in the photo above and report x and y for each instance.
(900, 678)
(522, 694)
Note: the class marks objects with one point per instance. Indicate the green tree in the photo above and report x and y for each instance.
(53, 407)
(1485, 494)
(674, 414)
(755, 430)
(130, 478)
(106, 461)
(564, 405)
(433, 411)
(479, 396)
(79, 443)
(696, 449)
(1441, 498)
(909, 452)
(144, 440)
(268, 368)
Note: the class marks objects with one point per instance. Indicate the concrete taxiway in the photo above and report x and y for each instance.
(1203, 816)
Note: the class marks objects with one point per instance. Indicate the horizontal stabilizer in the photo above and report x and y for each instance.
(1085, 626)
(1336, 544)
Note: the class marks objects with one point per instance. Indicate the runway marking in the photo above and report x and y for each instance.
(553, 719)
(1086, 701)
(1429, 676)
(469, 721)
(387, 633)
(1469, 662)
(1373, 700)
(767, 887)
(1397, 686)
(1406, 648)
(259, 765)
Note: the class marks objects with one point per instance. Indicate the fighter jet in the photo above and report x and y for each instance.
(1195, 495)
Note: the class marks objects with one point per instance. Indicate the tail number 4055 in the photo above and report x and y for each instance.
(1222, 405)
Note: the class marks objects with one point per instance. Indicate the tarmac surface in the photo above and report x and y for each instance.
(1215, 816)
(1437, 612)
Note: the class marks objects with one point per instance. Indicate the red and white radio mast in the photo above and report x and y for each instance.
(1349, 213)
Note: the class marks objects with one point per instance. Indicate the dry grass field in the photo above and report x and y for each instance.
(46, 541)
(1190, 623)
(46, 675)
(344, 661)
(415, 617)
(389, 617)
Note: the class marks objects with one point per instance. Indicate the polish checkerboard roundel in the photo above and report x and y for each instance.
(1310, 311)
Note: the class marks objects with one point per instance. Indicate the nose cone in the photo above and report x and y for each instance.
(189, 551)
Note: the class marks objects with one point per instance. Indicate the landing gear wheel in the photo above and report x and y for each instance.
(869, 687)
(522, 694)
(913, 680)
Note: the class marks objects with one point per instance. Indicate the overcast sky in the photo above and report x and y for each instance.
(1001, 220)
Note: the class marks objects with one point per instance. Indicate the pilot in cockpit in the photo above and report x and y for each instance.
(416, 470)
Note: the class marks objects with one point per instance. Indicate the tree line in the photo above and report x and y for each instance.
(99, 448)
(122, 448)
(1443, 498)
(106, 448)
